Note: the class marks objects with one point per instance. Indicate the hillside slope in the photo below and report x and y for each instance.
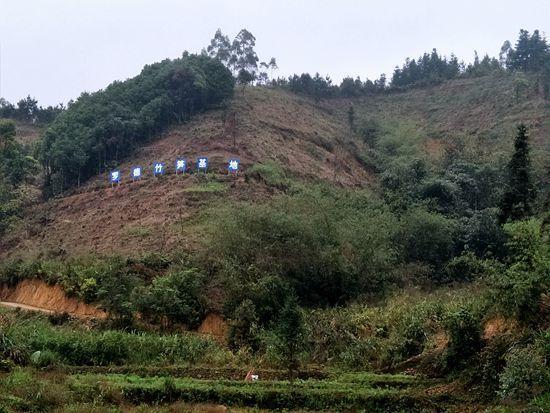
(147, 215)
(477, 116)
(311, 141)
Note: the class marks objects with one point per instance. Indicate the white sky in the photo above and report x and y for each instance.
(55, 49)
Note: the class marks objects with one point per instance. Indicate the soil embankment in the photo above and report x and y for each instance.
(35, 294)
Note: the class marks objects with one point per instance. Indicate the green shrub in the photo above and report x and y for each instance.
(489, 364)
(270, 173)
(409, 339)
(290, 336)
(176, 296)
(328, 245)
(466, 267)
(517, 291)
(464, 329)
(243, 328)
(43, 359)
(427, 237)
(481, 234)
(525, 375)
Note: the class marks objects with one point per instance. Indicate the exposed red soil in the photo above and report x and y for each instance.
(214, 325)
(35, 294)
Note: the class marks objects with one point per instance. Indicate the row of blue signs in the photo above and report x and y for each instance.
(180, 165)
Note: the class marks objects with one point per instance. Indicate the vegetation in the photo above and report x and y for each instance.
(16, 168)
(518, 198)
(27, 110)
(99, 129)
(441, 267)
(530, 55)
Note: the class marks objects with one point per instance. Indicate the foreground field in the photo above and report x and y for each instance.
(60, 365)
(32, 389)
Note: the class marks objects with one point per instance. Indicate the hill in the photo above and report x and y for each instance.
(311, 141)
(272, 125)
(361, 248)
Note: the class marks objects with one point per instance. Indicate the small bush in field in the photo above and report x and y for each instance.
(43, 359)
(244, 329)
(464, 330)
(466, 267)
(526, 374)
(176, 296)
(270, 173)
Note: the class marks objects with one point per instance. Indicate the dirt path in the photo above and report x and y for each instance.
(25, 307)
(35, 294)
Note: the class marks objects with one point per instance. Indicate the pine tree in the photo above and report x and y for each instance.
(519, 195)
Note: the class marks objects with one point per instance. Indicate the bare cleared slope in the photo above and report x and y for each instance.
(149, 215)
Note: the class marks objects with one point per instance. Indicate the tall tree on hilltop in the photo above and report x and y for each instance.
(531, 53)
(220, 47)
(244, 59)
(519, 195)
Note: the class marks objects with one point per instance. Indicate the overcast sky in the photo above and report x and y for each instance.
(55, 49)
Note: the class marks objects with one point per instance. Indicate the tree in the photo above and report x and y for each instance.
(27, 109)
(291, 333)
(101, 128)
(245, 77)
(244, 59)
(531, 53)
(519, 195)
(7, 132)
(220, 47)
(504, 52)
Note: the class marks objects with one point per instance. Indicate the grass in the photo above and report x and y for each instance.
(29, 390)
(139, 231)
(308, 394)
(207, 187)
(74, 344)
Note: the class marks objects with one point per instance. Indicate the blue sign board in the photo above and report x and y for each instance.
(115, 176)
(181, 165)
(158, 168)
(233, 165)
(136, 172)
(202, 163)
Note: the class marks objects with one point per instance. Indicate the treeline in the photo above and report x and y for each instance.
(530, 54)
(100, 128)
(322, 87)
(27, 110)
(17, 168)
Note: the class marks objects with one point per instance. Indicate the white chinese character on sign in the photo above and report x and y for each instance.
(180, 164)
(233, 164)
(202, 163)
(115, 175)
(136, 172)
(158, 168)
